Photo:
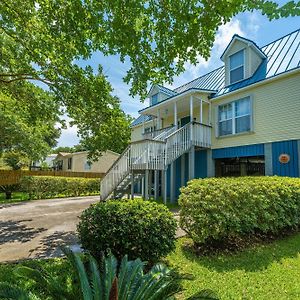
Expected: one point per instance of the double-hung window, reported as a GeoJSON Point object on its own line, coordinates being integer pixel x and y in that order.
{"type": "Point", "coordinates": [235, 117]}
{"type": "Point", "coordinates": [237, 65]}
{"type": "Point", "coordinates": [154, 99]}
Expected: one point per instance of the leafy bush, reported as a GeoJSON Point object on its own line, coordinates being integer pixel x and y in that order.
{"type": "Point", "coordinates": [219, 209]}
{"type": "Point", "coordinates": [42, 187]}
{"type": "Point", "coordinates": [138, 228]}
{"type": "Point", "coordinates": [106, 282]}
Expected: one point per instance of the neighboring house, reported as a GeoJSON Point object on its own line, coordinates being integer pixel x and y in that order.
{"type": "Point", "coordinates": [78, 162]}
{"type": "Point", "coordinates": [49, 160]}
{"type": "Point", "coordinates": [240, 119]}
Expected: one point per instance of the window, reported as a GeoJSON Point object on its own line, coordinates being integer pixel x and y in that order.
{"type": "Point", "coordinates": [236, 66]}
{"type": "Point", "coordinates": [87, 166]}
{"type": "Point", "coordinates": [235, 117]}
{"type": "Point", "coordinates": [154, 99]}
{"type": "Point", "coordinates": [70, 163]}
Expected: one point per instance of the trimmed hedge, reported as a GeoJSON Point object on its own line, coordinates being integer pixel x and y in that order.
{"type": "Point", "coordinates": [137, 228]}
{"type": "Point", "coordinates": [43, 187]}
{"type": "Point", "coordinates": [219, 209]}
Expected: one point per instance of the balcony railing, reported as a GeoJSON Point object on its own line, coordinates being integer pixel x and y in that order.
{"type": "Point", "coordinates": [159, 134]}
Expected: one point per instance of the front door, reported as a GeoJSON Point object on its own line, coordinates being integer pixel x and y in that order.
{"type": "Point", "coordinates": [184, 121]}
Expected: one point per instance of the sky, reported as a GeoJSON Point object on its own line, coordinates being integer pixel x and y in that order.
{"type": "Point", "coordinates": [253, 26]}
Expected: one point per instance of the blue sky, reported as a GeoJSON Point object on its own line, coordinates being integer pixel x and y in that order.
{"type": "Point", "coordinates": [253, 26]}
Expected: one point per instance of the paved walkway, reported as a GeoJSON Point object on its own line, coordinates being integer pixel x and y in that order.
{"type": "Point", "coordinates": [36, 229]}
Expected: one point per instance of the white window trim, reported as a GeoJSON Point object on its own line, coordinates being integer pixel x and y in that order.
{"type": "Point", "coordinates": [243, 65]}
{"type": "Point", "coordinates": [233, 118]}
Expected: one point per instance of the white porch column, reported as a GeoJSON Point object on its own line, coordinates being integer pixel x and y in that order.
{"type": "Point", "coordinates": [147, 184]}
{"type": "Point", "coordinates": [192, 118]}
{"type": "Point", "coordinates": [143, 187]}
{"type": "Point", "coordinates": [132, 186]}
{"type": "Point", "coordinates": [172, 183]}
{"type": "Point", "coordinates": [143, 127]}
{"type": "Point", "coordinates": [192, 163]}
{"type": "Point", "coordinates": [175, 115]}
{"type": "Point", "coordinates": [156, 184]}
{"type": "Point", "coordinates": [158, 120]}
{"type": "Point", "coordinates": [209, 113]}
{"type": "Point", "coordinates": [201, 111]}
{"type": "Point", "coordinates": [164, 185]}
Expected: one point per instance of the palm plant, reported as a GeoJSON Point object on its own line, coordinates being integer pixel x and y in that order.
{"type": "Point", "coordinates": [128, 281]}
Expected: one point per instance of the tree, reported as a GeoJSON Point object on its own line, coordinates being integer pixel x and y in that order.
{"type": "Point", "coordinates": [28, 116]}
{"type": "Point", "coordinates": [43, 39]}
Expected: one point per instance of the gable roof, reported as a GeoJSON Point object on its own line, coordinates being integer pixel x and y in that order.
{"type": "Point", "coordinates": [281, 56]}
{"type": "Point", "coordinates": [247, 41]}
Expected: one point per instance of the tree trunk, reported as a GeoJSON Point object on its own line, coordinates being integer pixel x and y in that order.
{"type": "Point", "coordinates": [8, 195]}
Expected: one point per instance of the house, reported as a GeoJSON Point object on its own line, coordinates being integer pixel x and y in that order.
{"type": "Point", "coordinates": [78, 162]}
{"type": "Point", "coordinates": [240, 119]}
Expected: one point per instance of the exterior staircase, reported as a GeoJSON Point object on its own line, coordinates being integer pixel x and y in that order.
{"type": "Point", "coordinates": [152, 154]}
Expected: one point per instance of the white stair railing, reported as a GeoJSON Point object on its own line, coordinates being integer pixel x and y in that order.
{"type": "Point", "coordinates": [155, 154]}
{"type": "Point", "coordinates": [116, 174]}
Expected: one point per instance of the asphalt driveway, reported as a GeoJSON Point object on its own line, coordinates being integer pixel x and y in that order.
{"type": "Point", "coordinates": [35, 229]}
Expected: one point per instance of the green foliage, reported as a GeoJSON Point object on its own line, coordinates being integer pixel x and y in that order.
{"type": "Point", "coordinates": [219, 209]}
{"type": "Point", "coordinates": [42, 187]}
{"type": "Point", "coordinates": [43, 40]}
{"type": "Point", "coordinates": [138, 228]}
{"type": "Point", "coordinates": [109, 282]}
{"type": "Point", "coordinates": [28, 116]}
{"type": "Point", "coordinates": [15, 160]}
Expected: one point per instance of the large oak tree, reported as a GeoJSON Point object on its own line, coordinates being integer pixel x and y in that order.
{"type": "Point", "coordinates": [42, 40]}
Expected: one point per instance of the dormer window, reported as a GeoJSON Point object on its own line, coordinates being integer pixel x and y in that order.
{"type": "Point", "coordinates": [237, 66]}
{"type": "Point", "coordinates": [154, 99]}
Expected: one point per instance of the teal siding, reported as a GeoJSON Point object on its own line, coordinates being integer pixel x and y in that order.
{"type": "Point", "coordinates": [201, 164]}
{"type": "Point", "coordinates": [240, 151]}
{"type": "Point", "coordinates": [290, 169]}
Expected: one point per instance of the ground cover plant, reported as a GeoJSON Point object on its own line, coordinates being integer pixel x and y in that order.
{"type": "Point", "coordinates": [137, 228]}
{"type": "Point", "coordinates": [217, 210]}
{"type": "Point", "coordinates": [43, 187]}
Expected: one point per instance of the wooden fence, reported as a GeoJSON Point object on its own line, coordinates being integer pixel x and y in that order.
{"type": "Point", "coordinates": [8, 177]}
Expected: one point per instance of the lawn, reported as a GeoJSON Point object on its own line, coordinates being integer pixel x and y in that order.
{"type": "Point", "coordinates": [15, 197]}
{"type": "Point", "coordinates": [269, 271]}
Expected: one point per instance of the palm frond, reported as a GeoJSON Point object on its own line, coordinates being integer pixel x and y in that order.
{"type": "Point", "coordinates": [8, 291]}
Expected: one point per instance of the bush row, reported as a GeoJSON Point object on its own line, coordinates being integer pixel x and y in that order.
{"type": "Point", "coordinates": [41, 187]}
{"type": "Point", "coordinates": [218, 209]}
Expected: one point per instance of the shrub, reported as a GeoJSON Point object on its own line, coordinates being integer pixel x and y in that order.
{"type": "Point", "coordinates": [220, 209]}
{"type": "Point", "coordinates": [137, 228]}
{"type": "Point", "coordinates": [41, 187]}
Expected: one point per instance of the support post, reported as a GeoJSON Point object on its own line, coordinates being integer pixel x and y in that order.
{"type": "Point", "coordinates": [158, 120]}
{"type": "Point", "coordinates": [143, 187]}
{"type": "Point", "coordinates": [210, 164]}
{"type": "Point", "coordinates": [143, 127]}
{"type": "Point", "coordinates": [209, 113]}
{"type": "Point", "coordinates": [192, 119]}
{"type": "Point", "coordinates": [175, 115]}
{"type": "Point", "coordinates": [268, 159]}
{"type": "Point", "coordinates": [201, 111]}
{"type": "Point", "coordinates": [132, 185]}
{"type": "Point", "coordinates": [164, 185]}
{"type": "Point", "coordinates": [156, 184]}
{"type": "Point", "coordinates": [192, 163]}
{"type": "Point", "coordinates": [182, 162]}
{"type": "Point", "coordinates": [172, 185]}
{"type": "Point", "coordinates": [147, 184]}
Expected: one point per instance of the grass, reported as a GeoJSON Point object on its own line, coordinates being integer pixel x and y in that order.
{"type": "Point", "coordinates": [19, 197]}
{"type": "Point", "coordinates": [270, 271]}
{"type": "Point", "coordinates": [16, 197]}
